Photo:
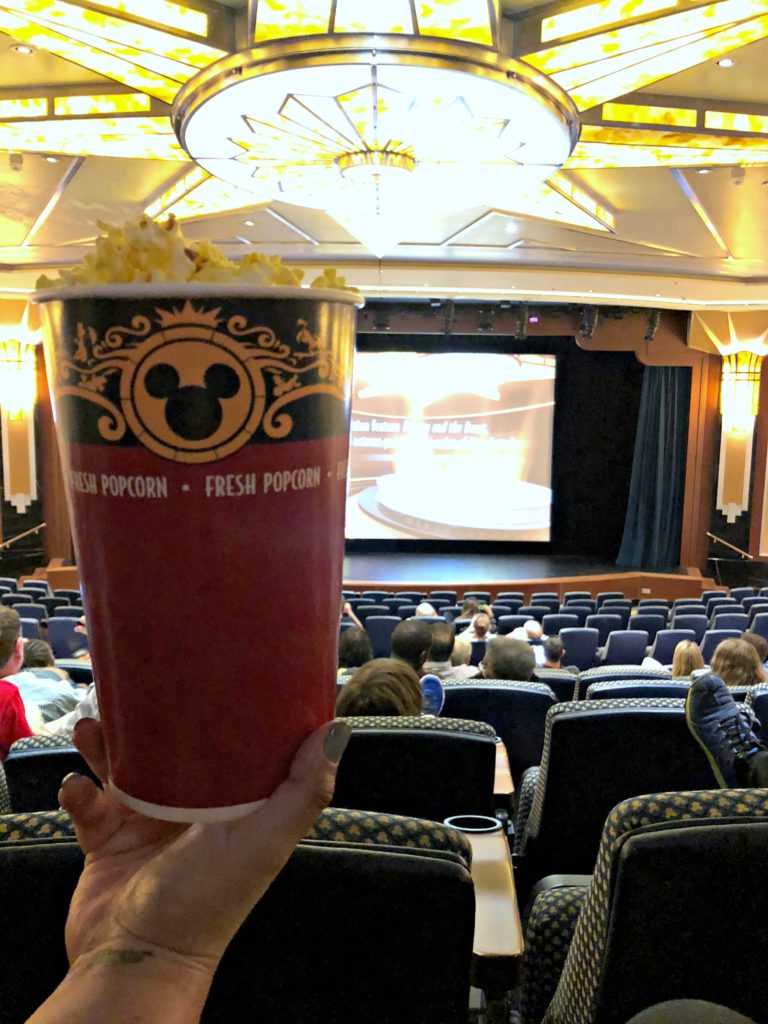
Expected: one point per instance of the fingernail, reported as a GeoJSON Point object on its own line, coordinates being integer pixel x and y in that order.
{"type": "Point", "coordinates": [336, 741]}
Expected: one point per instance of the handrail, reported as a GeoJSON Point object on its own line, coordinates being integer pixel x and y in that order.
{"type": "Point", "coordinates": [20, 536]}
{"type": "Point", "coordinates": [744, 554]}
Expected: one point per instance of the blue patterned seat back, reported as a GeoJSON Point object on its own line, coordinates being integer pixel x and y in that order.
{"type": "Point", "coordinates": [420, 767]}
{"type": "Point", "coordinates": [516, 710]}
{"type": "Point", "coordinates": [597, 753]}
{"type": "Point", "coordinates": [672, 851]}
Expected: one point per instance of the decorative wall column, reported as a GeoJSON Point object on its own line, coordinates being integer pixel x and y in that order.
{"type": "Point", "coordinates": [17, 416]}
{"type": "Point", "coordinates": [741, 338]}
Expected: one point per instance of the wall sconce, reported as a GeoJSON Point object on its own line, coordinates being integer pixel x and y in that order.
{"type": "Point", "coordinates": [739, 403]}
{"type": "Point", "coordinates": [18, 392]}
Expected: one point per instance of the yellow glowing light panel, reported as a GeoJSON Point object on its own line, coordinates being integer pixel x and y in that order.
{"type": "Point", "coordinates": [601, 147]}
{"type": "Point", "coordinates": [89, 57]}
{"type": "Point", "coordinates": [393, 16]}
{"type": "Point", "coordinates": [611, 64]}
{"type": "Point", "coordinates": [211, 196]}
{"type": "Point", "coordinates": [276, 19]}
{"type": "Point", "coordinates": [37, 107]}
{"type": "Point", "coordinates": [176, 192]}
{"type": "Point", "coordinates": [177, 16]}
{"type": "Point", "coordinates": [470, 20]}
{"type": "Point", "coordinates": [740, 387]}
{"type": "Point", "coordinates": [719, 120]}
{"type": "Point", "coordinates": [549, 203]}
{"type": "Point", "coordinates": [473, 21]}
{"type": "Point", "coordinates": [632, 113]}
{"type": "Point", "coordinates": [583, 199]}
{"type": "Point", "coordinates": [66, 17]}
{"type": "Point", "coordinates": [111, 103]}
{"type": "Point", "coordinates": [597, 16]}
{"type": "Point", "coordinates": [149, 138]}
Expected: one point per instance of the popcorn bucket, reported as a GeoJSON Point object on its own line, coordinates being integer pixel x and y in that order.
{"type": "Point", "coordinates": [203, 432]}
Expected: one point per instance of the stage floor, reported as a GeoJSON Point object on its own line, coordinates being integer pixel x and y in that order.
{"type": "Point", "coordinates": [397, 567]}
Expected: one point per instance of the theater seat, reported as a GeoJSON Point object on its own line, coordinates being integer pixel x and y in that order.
{"type": "Point", "coordinates": [516, 710]}
{"type": "Point", "coordinates": [424, 767]}
{"type": "Point", "coordinates": [663, 647]}
{"type": "Point", "coordinates": [713, 637]}
{"type": "Point", "coordinates": [379, 629]}
{"type": "Point", "coordinates": [579, 646]}
{"type": "Point", "coordinates": [673, 850]}
{"type": "Point", "coordinates": [597, 753]}
{"type": "Point", "coordinates": [348, 931]}
{"type": "Point", "coordinates": [629, 689]}
{"type": "Point", "coordinates": [625, 647]}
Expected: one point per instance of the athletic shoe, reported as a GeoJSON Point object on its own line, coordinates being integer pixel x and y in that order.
{"type": "Point", "coordinates": [432, 695]}
{"type": "Point", "coordinates": [721, 727]}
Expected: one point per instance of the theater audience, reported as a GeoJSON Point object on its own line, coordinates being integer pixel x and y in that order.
{"type": "Point", "coordinates": [737, 663]}
{"type": "Point", "coordinates": [13, 720]}
{"type": "Point", "coordinates": [425, 611]}
{"type": "Point", "coordinates": [438, 661]}
{"type": "Point", "coordinates": [507, 658]}
{"type": "Point", "coordinates": [45, 690]}
{"type": "Point", "coordinates": [354, 649]}
{"type": "Point", "coordinates": [686, 658]}
{"type": "Point", "coordinates": [383, 686]}
{"type": "Point", "coordinates": [411, 640]}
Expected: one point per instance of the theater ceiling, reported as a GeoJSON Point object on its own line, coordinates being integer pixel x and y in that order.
{"type": "Point", "coordinates": [630, 164]}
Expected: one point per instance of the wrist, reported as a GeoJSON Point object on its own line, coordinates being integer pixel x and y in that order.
{"type": "Point", "coordinates": [130, 980]}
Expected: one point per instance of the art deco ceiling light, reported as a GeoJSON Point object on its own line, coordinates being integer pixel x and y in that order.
{"type": "Point", "coordinates": [375, 111]}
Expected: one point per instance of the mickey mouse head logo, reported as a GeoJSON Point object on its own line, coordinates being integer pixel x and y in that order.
{"type": "Point", "coordinates": [191, 411]}
{"type": "Point", "coordinates": [190, 398]}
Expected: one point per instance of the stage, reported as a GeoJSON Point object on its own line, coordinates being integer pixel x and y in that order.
{"type": "Point", "coordinates": [394, 571]}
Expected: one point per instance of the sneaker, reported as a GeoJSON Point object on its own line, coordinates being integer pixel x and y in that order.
{"type": "Point", "coordinates": [432, 695]}
{"type": "Point", "coordinates": [721, 727]}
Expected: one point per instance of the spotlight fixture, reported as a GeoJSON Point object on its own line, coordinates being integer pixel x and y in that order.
{"type": "Point", "coordinates": [533, 319]}
{"type": "Point", "coordinates": [249, 223]}
{"type": "Point", "coordinates": [704, 170]}
{"type": "Point", "coordinates": [16, 161]}
{"type": "Point", "coordinates": [23, 49]}
{"type": "Point", "coordinates": [521, 322]}
{"type": "Point", "coordinates": [652, 324]}
{"type": "Point", "coordinates": [726, 62]}
{"type": "Point", "coordinates": [51, 159]}
{"type": "Point", "coordinates": [381, 320]}
{"type": "Point", "coordinates": [588, 322]}
{"type": "Point", "coordinates": [484, 319]}
{"type": "Point", "coordinates": [435, 303]}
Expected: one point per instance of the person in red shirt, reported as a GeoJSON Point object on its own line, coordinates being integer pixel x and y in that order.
{"type": "Point", "coordinates": [13, 721]}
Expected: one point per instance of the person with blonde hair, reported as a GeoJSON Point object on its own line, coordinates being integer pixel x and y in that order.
{"type": "Point", "coordinates": [737, 663]}
{"type": "Point", "coordinates": [686, 658]}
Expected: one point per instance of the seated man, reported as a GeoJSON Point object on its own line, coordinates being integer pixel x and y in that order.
{"type": "Point", "coordinates": [553, 654]}
{"type": "Point", "coordinates": [13, 721]}
{"type": "Point", "coordinates": [411, 640]}
{"type": "Point", "coordinates": [46, 691]}
{"type": "Point", "coordinates": [507, 658]}
{"type": "Point", "coordinates": [479, 628]}
{"type": "Point", "coordinates": [438, 661]}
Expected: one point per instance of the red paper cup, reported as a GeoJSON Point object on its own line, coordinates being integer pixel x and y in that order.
{"type": "Point", "coordinates": [203, 433]}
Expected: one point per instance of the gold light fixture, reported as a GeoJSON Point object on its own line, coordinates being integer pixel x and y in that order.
{"type": "Point", "coordinates": [17, 417]}
{"type": "Point", "coordinates": [378, 113]}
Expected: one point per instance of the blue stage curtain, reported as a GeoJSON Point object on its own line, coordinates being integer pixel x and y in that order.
{"type": "Point", "coordinates": [655, 508]}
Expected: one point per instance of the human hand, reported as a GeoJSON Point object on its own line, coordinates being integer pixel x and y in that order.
{"type": "Point", "coordinates": [347, 608]}
{"type": "Point", "coordinates": [156, 888]}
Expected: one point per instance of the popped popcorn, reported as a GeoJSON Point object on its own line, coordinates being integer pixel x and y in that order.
{"type": "Point", "coordinates": [153, 252]}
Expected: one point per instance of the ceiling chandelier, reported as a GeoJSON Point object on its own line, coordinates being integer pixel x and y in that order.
{"type": "Point", "coordinates": [420, 111]}
{"type": "Point", "coordinates": [379, 112]}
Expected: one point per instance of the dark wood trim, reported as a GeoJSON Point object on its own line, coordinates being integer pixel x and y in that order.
{"type": "Point", "coordinates": [757, 503]}
{"type": "Point", "coordinates": [701, 461]}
